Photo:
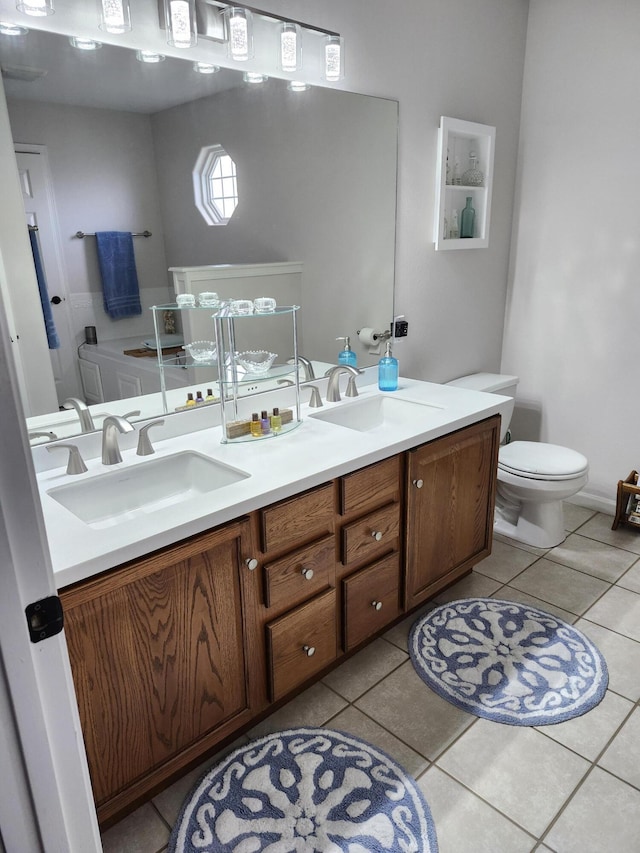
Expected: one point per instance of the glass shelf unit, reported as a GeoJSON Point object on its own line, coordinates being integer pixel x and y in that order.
{"type": "Point", "coordinates": [458, 142]}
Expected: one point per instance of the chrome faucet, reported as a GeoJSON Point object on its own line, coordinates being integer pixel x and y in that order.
{"type": "Point", "coordinates": [111, 426]}
{"type": "Point", "coordinates": [86, 421]}
{"type": "Point", "coordinates": [333, 386]}
{"type": "Point", "coordinates": [307, 367]}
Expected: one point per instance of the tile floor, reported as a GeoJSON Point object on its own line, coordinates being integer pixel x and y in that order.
{"type": "Point", "coordinates": [573, 787]}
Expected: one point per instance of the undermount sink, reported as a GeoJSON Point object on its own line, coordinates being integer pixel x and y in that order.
{"type": "Point", "coordinates": [373, 412]}
{"type": "Point", "coordinates": [128, 493]}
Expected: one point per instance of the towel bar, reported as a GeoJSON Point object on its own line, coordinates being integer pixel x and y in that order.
{"type": "Point", "coordinates": [81, 234]}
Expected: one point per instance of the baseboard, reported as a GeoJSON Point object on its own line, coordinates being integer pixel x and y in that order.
{"type": "Point", "coordinates": [595, 502]}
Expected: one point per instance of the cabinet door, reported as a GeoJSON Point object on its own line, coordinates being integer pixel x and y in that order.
{"type": "Point", "coordinates": [158, 658]}
{"type": "Point", "coordinates": [450, 502]}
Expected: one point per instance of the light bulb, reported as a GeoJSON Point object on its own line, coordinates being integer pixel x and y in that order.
{"type": "Point", "coordinates": [289, 47]}
{"type": "Point", "coordinates": [205, 68]}
{"type": "Point", "coordinates": [36, 8]}
{"type": "Point", "coordinates": [181, 23]}
{"type": "Point", "coordinates": [298, 86]}
{"type": "Point", "coordinates": [115, 16]}
{"type": "Point", "coordinates": [7, 29]}
{"type": "Point", "coordinates": [84, 44]}
{"type": "Point", "coordinates": [333, 59]}
{"type": "Point", "coordinates": [239, 33]}
{"type": "Point", "coordinates": [149, 56]}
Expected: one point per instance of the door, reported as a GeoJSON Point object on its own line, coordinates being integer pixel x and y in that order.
{"type": "Point", "coordinates": [37, 194]}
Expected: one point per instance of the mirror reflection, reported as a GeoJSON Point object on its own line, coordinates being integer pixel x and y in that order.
{"type": "Point", "coordinates": [107, 143]}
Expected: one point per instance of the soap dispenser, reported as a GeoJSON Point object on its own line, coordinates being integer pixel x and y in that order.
{"type": "Point", "coordinates": [388, 371]}
{"type": "Point", "coordinates": [347, 355]}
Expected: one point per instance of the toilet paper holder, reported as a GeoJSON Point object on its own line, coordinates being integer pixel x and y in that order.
{"type": "Point", "coordinates": [373, 338]}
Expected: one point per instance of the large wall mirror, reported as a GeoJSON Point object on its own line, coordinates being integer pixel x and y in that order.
{"type": "Point", "coordinates": [120, 139]}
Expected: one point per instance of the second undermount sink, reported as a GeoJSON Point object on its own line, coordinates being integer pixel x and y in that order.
{"type": "Point", "coordinates": [130, 492]}
{"type": "Point", "coordinates": [372, 412]}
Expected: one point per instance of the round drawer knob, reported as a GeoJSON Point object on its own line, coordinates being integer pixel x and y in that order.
{"type": "Point", "coordinates": [252, 563]}
{"type": "Point", "coordinates": [377, 535]}
{"type": "Point", "coordinates": [377, 605]}
{"type": "Point", "coordinates": [309, 651]}
{"type": "Point", "coordinates": [307, 574]}
{"type": "Point", "coordinates": [418, 483]}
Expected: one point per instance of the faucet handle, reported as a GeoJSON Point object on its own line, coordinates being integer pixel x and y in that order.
{"type": "Point", "coordinates": [145, 448]}
{"type": "Point", "coordinates": [75, 464]}
{"type": "Point", "coordinates": [316, 400]}
{"type": "Point", "coordinates": [132, 414]}
{"type": "Point", "coordinates": [352, 388]}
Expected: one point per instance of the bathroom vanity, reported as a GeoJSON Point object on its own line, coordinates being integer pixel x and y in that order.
{"type": "Point", "coordinates": [337, 533]}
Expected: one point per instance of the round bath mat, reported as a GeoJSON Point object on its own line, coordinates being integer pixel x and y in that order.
{"type": "Point", "coordinates": [508, 662]}
{"type": "Point", "coordinates": [305, 790]}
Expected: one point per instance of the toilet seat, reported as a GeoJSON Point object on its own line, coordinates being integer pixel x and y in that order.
{"type": "Point", "coordinates": [538, 461]}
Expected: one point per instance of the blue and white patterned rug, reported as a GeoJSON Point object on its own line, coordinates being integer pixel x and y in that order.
{"type": "Point", "coordinates": [305, 790]}
{"type": "Point", "coordinates": [508, 662]}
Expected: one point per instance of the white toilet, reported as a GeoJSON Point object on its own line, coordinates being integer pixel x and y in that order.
{"type": "Point", "coordinates": [533, 478]}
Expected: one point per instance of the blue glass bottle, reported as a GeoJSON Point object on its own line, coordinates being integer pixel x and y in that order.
{"type": "Point", "coordinates": [347, 355]}
{"type": "Point", "coordinates": [388, 371]}
{"type": "Point", "coordinates": [468, 219]}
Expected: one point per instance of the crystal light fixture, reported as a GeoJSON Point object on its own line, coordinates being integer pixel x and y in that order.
{"type": "Point", "coordinates": [239, 33]}
{"type": "Point", "coordinates": [36, 8]}
{"type": "Point", "coordinates": [7, 29]}
{"type": "Point", "coordinates": [205, 68]}
{"type": "Point", "coordinates": [298, 86]}
{"type": "Point", "coordinates": [84, 44]}
{"type": "Point", "coordinates": [180, 19]}
{"type": "Point", "coordinates": [254, 77]}
{"type": "Point", "coordinates": [290, 47]}
{"type": "Point", "coordinates": [149, 56]}
{"type": "Point", "coordinates": [333, 57]}
{"type": "Point", "coordinates": [115, 16]}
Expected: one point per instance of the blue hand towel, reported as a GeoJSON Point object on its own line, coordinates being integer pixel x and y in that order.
{"type": "Point", "coordinates": [118, 270]}
{"type": "Point", "coordinates": [50, 326]}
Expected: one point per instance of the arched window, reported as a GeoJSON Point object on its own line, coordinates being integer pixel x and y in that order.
{"type": "Point", "coordinates": [215, 185]}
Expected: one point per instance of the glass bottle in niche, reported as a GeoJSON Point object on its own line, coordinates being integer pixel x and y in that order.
{"type": "Point", "coordinates": [468, 219]}
{"type": "Point", "coordinates": [473, 177]}
{"type": "Point", "coordinates": [454, 233]}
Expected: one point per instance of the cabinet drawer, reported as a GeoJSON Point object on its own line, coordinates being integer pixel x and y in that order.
{"type": "Point", "coordinates": [370, 487]}
{"type": "Point", "coordinates": [298, 576]}
{"type": "Point", "coordinates": [371, 600]}
{"type": "Point", "coordinates": [295, 521]}
{"type": "Point", "coordinates": [374, 534]}
{"type": "Point", "coordinates": [301, 643]}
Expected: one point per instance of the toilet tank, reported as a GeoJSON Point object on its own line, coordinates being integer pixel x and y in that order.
{"type": "Point", "coordinates": [492, 383]}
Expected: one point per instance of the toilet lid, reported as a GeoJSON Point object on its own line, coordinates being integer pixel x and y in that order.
{"type": "Point", "coordinates": [541, 461]}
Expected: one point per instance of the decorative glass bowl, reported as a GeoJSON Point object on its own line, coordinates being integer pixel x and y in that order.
{"type": "Point", "coordinates": [201, 350]}
{"type": "Point", "coordinates": [256, 362]}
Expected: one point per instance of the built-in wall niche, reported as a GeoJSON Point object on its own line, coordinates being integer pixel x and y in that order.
{"type": "Point", "coordinates": [464, 171]}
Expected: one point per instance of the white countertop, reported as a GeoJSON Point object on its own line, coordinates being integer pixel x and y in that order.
{"type": "Point", "coordinates": [279, 467]}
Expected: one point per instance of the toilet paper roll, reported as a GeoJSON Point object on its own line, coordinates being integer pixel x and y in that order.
{"type": "Point", "coordinates": [369, 337]}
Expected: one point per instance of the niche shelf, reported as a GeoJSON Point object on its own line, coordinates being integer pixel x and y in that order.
{"type": "Point", "coordinates": [458, 141]}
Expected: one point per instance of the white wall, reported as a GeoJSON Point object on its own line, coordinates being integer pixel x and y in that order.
{"type": "Point", "coordinates": [574, 301]}
{"type": "Point", "coordinates": [104, 179]}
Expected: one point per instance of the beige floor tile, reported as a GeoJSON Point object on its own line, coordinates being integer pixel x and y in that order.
{"type": "Point", "coordinates": [575, 516]}
{"type": "Point", "coordinates": [589, 734]}
{"type": "Point", "coordinates": [473, 585]}
{"type": "Point", "coordinates": [522, 773]}
{"type": "Point", "coordinates": [143, 831]}
{"type": "Point", "coordinates": [631, 579]}
{"type": "Point", "coordinates": [399, 634]}
{"type": "Point", "coordinates": [508, 593]}
{"type": "Point", "coordinates": [618, 609]}
{"type": "Point", "coordinates": [599, 527]}
{"type": "Point", "coordinates": [362, 671]}
{"type": "Point", "coordinates": [602, 817]}
{"type": "Point", "coordinates": [560, 585]}
{"type": "Point", "coordinates": [314, 707]}
{"type": "Point", "coordinates": [356, 723]}
{"type": "Point", "coordinates": [504, 562]}
{"type": "Point", "coordinates": [622, 758]}
{"type": "Point", "coordinates": [169, 802]}
{"type": "Point", "coordinates": [465, 823]}
{"type": "Point", "coordinates": [622, 656]}
{"type": "Point", "coordinates": [404, 705]}
{"type": "Point", "coordinates": [531, 549]}
{"type": "Point", "coordinates": [595, 558]}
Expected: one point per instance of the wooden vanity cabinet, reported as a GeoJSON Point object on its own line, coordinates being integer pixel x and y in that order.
{"type": "Point", "coordinates": [176, 652]}
{"type": "Point", "coordinates": [167, 660]}
{"type": "Point", "coordinates": [450, 502]}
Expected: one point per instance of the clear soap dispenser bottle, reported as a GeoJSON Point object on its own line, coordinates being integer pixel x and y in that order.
{"type": "Point", "coordinates": [388, 371]}
{"type": "Point", "coordinates": [347, 355]}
